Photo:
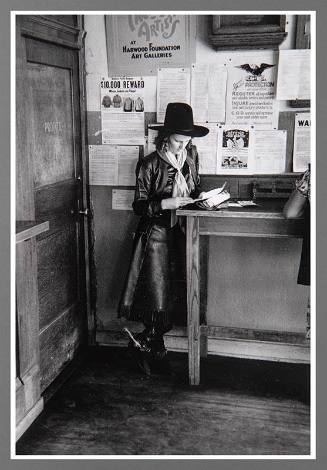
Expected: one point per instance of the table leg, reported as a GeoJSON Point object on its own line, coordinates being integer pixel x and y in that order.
{"type": "Point", "coordinates": [193, 298]}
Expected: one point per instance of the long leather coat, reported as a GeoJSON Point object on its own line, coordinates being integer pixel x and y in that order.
{"type": "Point", "coordinates": [147, 294]}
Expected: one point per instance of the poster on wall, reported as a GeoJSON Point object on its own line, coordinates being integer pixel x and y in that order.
{"type": "Point", "coordinates": [251, 89]}
{"type": "Point", "coordinates": [127, 159]}
{"type": "Point", "coordinates": [103, 168]}
{"type": "Point", "coordinates": [269, 151]}
{"type": "Point", "coordinates": [208, 92]}
{"type": "Point", "coordinates": [301, 152]}
{"type": "Point", "coordinates": [122, 199]}
{"type": "Point", "coordinates": [172, 85]}
{"type": "Point", "coordinates": [294, 74]}
{"type": "Point", "coordinates": [234, 154]}
{"type": "Point", "coordinates": [151, 141]}
{"type": "Point", "coordinates": [207, 149]}
{"type": "Point", "coordinates": [112, 165]}
{"type": "Point", "coordinates": [122, 110]}
{"type": "Point", "coordinates": [144, 43]}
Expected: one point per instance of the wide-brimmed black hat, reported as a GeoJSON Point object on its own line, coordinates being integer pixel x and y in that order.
{"type": "Point", "coordinates": [179, 120]}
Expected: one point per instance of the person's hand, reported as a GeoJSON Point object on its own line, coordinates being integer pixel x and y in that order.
{"type": "Point", "coordinates": [175, 202]}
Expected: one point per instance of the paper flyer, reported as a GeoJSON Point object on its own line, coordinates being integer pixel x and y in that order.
{"type": "Point", "coordinates": [302, 133]}
{"type": "Point", "coordinates": [207, 149]}
{"type": "Point", "coordinates": [234, 153]}
{"type": "Point", "coordinates": [269, 150]}
{"type": "Point", "coordinates": [122, 199]}
{"type": "Point", "coordinates": [208, 92]}
{"type": "Point", "coordinates": [294, 74]}
{"type": "Point", "coordinates": [122, 110]}
{"type": "Point", "coordinates": [112, 165]}
{"type": "Point", "coordinates": [251, 86]}
{"type": "Point", "coordinates": [172, 85]}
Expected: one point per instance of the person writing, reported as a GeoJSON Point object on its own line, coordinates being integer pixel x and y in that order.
{"type": "Point", "coordinates": [155, 288]}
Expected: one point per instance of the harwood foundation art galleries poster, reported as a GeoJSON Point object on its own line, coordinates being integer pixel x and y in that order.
{"type": "Point", "coordinates": [144, 43]}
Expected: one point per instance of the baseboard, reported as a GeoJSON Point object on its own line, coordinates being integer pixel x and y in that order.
{"type": "Point", "coordinates": [175, 340]}
{"type": "Point", "coordinates": [230, 342]}
{"type": "Point", "coordinates": [28, 419]}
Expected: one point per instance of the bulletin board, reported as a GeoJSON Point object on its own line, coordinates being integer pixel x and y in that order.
{"type": "Point", "coordinates": [233, 94]}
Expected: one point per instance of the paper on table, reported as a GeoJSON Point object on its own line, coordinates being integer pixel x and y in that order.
{"type": "Point", "coordinates": [216, 200]}
{"type": "Point", "coordinates": [247, 203]}
{"type": "Point", "coordinates": [210, 194]}
{"type": "Point", "coordinates": [234, 204]}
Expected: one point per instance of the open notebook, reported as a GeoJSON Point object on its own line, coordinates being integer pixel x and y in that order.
{"type": "Point", "coordinates": [214, 197]}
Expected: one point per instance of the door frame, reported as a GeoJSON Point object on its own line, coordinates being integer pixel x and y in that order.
{"type": "Point", "coordinates": [50, 30]}
{"type": "Point", "coordinates": [53, 31]}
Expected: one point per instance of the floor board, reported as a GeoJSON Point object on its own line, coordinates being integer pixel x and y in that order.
{"type": "Point", "coordinates": [242, 407]}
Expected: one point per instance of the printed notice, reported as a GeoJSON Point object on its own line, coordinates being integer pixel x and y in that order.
{"type": "Point", "coordinates": [200, 92]}
{"type": "Point", "coordinates": [217, 93]}
{"type": "Point", "coordinates": [122, 199]}
{"type": "Point", "coordinates": [144, 43]}
{"type": "Point", "coordinates": [122, 110]}
{"type": "Point", "coordinates": [103, 166]}
{"type": "Point", "coordinates": [122, 94]}
{"type": "Point", "coordinates": [234, 154]}
{"type": "Point", "coordinates": [123, 129]}
{"type": "Point", "coordinates": [251, 90]}
{"type": "Point", "coordinates": [207, 150]}
{"type": "Point", "coordinates": [112, 165]}
{"type": "Point", "coordinates": [269, 149]}
{"type": "Point", "coordinates": [127, 160]}
{"type": "Point", "coordinates": [152, 135]}
{"type": "Point", "coordinates": [302, 131]}
{"type": "Point", "coordinates": [172, 85]}
{"type": "Point", "coordinates": [208, 92]}
{"type": "Point", "coordinates": [294, 75]}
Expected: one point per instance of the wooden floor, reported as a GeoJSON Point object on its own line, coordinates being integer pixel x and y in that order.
{"type": "Point", "coordinates": [241, 408]}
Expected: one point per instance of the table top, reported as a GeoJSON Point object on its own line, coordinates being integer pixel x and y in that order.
{"type": "Point", "coordinates": [265, 209]}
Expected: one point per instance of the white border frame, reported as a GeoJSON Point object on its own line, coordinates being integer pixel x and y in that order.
{"type": "Point", "coordinates": [312, 455]}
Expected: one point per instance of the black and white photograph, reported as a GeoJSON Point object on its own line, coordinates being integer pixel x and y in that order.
{"type": "Point", "coordinates": [163, 306]}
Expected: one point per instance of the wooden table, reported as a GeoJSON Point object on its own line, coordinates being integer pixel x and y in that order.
{"type": "Point", "coordinates": [265, 220]}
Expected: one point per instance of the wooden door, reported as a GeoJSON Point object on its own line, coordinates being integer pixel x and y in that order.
{"type": "Point", "coordinates": [55, 148]}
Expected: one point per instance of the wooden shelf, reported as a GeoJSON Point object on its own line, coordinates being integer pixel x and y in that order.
{"type": "Point", "coordinates": [26, 229]}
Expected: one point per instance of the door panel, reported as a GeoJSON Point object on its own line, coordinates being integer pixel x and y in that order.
{"type": "Point", "coordinates": [51, 123]}
{"type": "Point", "coordinates": [54, 142]}
{"type": "Point", "coordinates": [57, 273]}
{"type": "Point", "coordinates": [58, 344]}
